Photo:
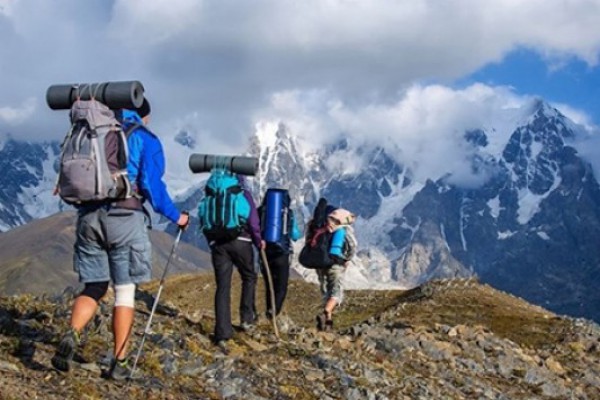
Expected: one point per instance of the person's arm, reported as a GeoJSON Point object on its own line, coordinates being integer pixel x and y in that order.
{"type": "Point", "coordinates": [352, 245]}
{"type": "Point", "coordinates": [152, 167]}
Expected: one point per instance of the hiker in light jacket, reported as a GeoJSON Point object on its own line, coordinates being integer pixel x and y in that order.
{"type": "Point", "coordinates": [113, 244]}
{"type": "Point", "coordinates": [339, 222]}
{"type": "Point", "coordinates": [238, 252]}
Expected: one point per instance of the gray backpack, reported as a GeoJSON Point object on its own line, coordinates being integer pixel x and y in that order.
{"type": "Point", "coordinates": [93, 164]}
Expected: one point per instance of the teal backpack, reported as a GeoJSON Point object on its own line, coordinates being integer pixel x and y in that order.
{"type": "Point", "coordinates": [224, 210]}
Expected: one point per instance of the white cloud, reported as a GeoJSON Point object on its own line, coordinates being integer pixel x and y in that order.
{"type": "Point", "coordinates": [225, 60]}
{"type": "Point", "coordinates": [146, 23]}
{"type": "Point", "coordinates": [423, 129]}
{"type": "Point", "coordinates": [6, 7]}
{"type": "Point", "coordinates": [575, 115]}
{"type": "Point", "coordinates": [16, 115]}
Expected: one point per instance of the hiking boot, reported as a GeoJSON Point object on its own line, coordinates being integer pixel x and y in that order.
{"type": "Point", "coordinates": [284, 323]}
{"type": "Point", "coordinates": [222, 345]}
{"type": "Point", "coordinates": [66, 350]}
{"type": "Point", "coordinates": [120, 370]}
{"type": "Point", "coordinates": [247, 327]}
{"type": "Point", "coordinates": [321, 320]}
{"type": "Point", "coordinates": [328, 325]}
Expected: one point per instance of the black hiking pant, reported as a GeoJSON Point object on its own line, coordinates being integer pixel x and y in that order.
{"type": "Point", "coordinates": [224, 256]}
{"type": "Point", "coordinates": [279, 266]}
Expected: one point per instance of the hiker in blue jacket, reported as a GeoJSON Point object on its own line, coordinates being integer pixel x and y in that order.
{"type": "Point", "coordinates": [113, 243]}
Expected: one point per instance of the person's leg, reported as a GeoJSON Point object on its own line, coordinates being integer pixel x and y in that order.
{"type": "Point", "coordinates": [329, 307]}
{"type": "Point", "coordinates": [85, 305]}
{"type": "Point", "coordinates": [321, 318]}
{"type": "Point", "coordinates": [242, 254]}
{"type": "Point", "coordinates": [335, 292]}
{"type": "Point", "coordinates": [281, 272]}
{"type": "Point", "coordinates": [331, 302]}
{"type": "Point", "coordinates": [90, 261]}
{"type": "Point", "coordinates": [267, 292]}
{"type": "Point", "coordinates": [123, 315]}
{"type": "Point", "coordinates": [129, 256]}
{"type": "Point", "coordinates": [223, 268]}
{"type": "Point", "coordinates": [321, 275]}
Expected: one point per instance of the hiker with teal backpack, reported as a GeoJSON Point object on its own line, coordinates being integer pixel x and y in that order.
{"type": "Point", "coordinates": [279, 229]}
{"type": "Point", "coordinates": [329, 247]}
{"type": "Point", "coordinates": [229, 220]}
{"type": "Point", "coordinates": [112, 238]}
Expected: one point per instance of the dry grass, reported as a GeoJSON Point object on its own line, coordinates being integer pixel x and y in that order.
{"type": "Point", "coordinates": [481, 305]}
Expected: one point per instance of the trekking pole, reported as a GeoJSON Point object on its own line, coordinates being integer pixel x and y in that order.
{"type": "Point", "coordinates": [271, 291]}
{"type": "Point", "coordinates": [160, 288]}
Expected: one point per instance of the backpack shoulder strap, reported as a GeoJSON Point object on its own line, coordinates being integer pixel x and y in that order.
{"type": "Point", "coordinates": [320, 231]}
{"type": "Point", "coordinates": [130, 130]}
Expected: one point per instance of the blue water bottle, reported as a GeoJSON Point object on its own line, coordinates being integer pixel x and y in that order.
{"type": "Point", "coordinates": [337, 242]}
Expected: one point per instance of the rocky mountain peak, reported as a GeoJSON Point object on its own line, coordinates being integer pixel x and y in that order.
{"type": "Point", "coordinates": [27, 182]}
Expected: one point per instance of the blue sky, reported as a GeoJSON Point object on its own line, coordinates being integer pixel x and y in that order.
{"type": "Point", "coordinates": [572, 81]}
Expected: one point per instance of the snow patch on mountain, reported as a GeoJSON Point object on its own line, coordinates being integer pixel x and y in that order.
{"type": "Point", "coordinates": [494, 206]}
{"type": "Point", "coordinates": [529, 202]}
{"type": "Point", "coordinates": [40, 201]}
{"type": "Point", "coordinates": [374, 232]}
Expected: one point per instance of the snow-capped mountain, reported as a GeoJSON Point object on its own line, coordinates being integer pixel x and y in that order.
{"type": "Point", "coordinates": [27, 181]}
{"type": "Point", "coordinates": [527, 220]}
{"type": "Point", "coordinates": [531, 226]}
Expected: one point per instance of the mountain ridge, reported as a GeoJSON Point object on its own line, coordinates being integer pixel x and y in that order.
{"type": "Point", "coordinates": [38, 257]}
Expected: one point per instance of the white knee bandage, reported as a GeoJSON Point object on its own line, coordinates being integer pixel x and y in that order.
{"type": "Point", "coordinates": [125, 295]}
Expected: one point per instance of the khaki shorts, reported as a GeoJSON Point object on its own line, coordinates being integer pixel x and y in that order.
{"type": "Point", "coordinates": [330, 280]}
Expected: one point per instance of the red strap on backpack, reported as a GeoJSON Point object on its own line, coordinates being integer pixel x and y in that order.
{"type": "Point", "coordinates": [318, 232]}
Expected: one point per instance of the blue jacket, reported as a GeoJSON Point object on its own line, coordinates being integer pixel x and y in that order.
{"type": "Point", "coordinates": [146, 166]}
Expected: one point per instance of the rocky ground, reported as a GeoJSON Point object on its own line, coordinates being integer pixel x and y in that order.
{"type": "Point", "coordinates": [453, 339]}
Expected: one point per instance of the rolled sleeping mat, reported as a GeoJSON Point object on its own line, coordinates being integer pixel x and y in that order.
{"type": "Point", "coordinates": [274, 215]}
{"type": "Point", "coordinates": [115, 95]}
{"type": "Point", "coordinates": [337, 242]}
{"type": "Point", "coordinates": [236, 164]}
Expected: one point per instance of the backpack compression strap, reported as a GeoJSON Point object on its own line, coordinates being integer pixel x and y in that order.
{"type": "Point", "coordinates": [318, 232]}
